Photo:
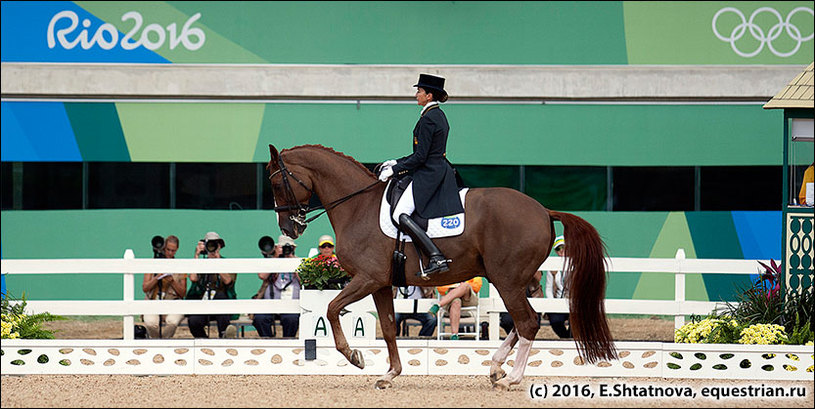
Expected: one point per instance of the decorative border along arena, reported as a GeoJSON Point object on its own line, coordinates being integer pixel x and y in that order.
{"type": "Point", "coordinates": [419, 357]}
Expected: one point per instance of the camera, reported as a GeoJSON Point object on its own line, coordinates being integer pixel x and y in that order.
{"type": "Point", "coordinates": [288, 250]}
{"type": "Point", "coordinates": [158, 246]}
{"type": "Point", "coordinates": [210, 246]}
{"type": "Point", "coordinates": [266, 246]}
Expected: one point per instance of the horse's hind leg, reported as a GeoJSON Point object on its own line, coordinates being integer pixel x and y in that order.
{"type": "Point", "coordinates": [514, 378]}
{"type": "Point", "coordinates": [526, 327]}
{"type": "Point", "coordinates": [501, 355]}
{"type": "Point", "coordinates": [355, 291]}
{"type": "Point", "coordinates": [384, 307]}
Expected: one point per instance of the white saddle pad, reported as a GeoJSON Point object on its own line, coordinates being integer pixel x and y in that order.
{"type": "Point", "coordinates": [446, 226]}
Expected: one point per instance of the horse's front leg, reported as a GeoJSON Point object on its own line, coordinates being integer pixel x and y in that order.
{"type": "Point", "coordinates": [384, 307]}
{"type": "Point", "coordinates": [355, 291]}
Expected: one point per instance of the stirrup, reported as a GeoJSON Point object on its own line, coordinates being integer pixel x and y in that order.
{"type": "Point", "coordinates": [438, 265]}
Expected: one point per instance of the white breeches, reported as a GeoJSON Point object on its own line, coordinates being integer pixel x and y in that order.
{"type": "Point", "coordinates": [405, 204]}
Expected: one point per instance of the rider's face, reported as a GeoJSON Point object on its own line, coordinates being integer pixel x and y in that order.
{"type": "Point", "coordinates": [422, 97]}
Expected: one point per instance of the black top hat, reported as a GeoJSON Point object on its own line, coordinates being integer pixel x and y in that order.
{"type": "Point", "coordinates": [432, 83]}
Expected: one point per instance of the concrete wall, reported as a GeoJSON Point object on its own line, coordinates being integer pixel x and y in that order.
{"type": "Point", "coordinates": [474, 82]}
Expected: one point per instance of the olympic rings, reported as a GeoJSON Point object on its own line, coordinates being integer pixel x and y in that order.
{"type": "Point", "coordinates": [773, 33]}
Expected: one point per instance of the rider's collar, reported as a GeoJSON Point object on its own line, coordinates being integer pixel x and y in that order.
{"type": "Point", "coordinates": [428, 106]}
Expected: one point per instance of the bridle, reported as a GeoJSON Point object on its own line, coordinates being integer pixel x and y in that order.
{"type": "Point", "coordinates": [303, 209]}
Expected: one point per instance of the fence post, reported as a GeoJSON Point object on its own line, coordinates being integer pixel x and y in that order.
{"type": "Point", "coordinates": [679, 288]}
{"type": "Point", "coordinates": [127, 285]}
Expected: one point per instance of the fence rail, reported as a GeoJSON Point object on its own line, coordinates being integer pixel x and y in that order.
{"type": "Point", "coordinates": [129, 308]}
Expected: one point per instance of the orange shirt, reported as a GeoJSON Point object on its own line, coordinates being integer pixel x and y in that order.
{"type": "Point", "coordinates": [475, 283]}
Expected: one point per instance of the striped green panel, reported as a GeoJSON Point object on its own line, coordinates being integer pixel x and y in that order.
{"type": "Point", "coordinates": [98, 131]}
{"type": "Point", "coordinates": [682, 32]}
{"type": "Point", "coordinates": [714, 236]}
{"type": "Point", "coordinates": [617, 230]}
{"type": "Point", "coordinates": [191, 132]}
{"type": "Point", "coordinates": [569, 135]}
{"type": "Point", "coordinates": [659, 286]}
{"type": "Point", "coordinates": [353, 32]}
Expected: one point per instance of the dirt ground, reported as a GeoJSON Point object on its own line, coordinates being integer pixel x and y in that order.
{"type": "Point", "coordinates": [623, 329]}
{"type": "Point", "coordinates": [357, 391]}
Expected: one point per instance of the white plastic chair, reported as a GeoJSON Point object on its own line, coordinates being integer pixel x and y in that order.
{"type": "Point", "coordinates": [468, 324]}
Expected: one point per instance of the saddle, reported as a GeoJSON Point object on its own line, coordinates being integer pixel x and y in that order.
{"type": "Point", "coordinates": [447, 226]}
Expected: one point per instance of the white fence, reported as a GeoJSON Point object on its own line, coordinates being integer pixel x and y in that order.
{"type": "Point", "coordinates": [129, 308]}
{"type": "Point", "coordinates": [420, 357]}
{"type": "Point", "coordinates": [252, 356]}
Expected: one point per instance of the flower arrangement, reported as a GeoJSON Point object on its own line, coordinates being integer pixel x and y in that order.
{"type": "Point", "coordinates": [322, 273]}
{"type": "Point", "coordinates": [763, 334]}
{"type": "Point", "coordinates": [16, 324]}
{"type": "Point", "coordinates": [710, 330]}
{"type": "Point", "coordinates": [763, 315]}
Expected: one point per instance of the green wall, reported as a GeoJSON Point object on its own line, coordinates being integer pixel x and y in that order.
{"type": "Point", "coordinates": [501, 134]}
{"type": "Point", "coordinates": [107, 233]}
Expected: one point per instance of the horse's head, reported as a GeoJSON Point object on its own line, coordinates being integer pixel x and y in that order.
{"type": "Point", "coordinates": [292, 188]}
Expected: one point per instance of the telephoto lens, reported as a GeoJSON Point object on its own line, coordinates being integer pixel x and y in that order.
{"type": "Point", "coordinates": [211, 245]}
{"type": "Point", "coordinates": [266, 246]}
{"type": "Point", "coordinates": [158, 246]}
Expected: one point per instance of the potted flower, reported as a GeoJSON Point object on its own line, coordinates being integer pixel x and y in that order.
{"type": "Point", "coordinates": [322, 273]}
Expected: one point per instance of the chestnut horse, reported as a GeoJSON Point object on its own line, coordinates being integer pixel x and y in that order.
{"type": "Point", "coordinates": [507, 237]}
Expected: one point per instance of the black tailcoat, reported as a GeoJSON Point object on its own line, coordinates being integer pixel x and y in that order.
{"type": "Point", "coordinates": [435, 191]}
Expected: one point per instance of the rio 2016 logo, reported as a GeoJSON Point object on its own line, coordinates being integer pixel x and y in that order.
{"type": "Point", "coordinates": [450, 222]}
{"type": "Point", "coordinates": [107, 36]}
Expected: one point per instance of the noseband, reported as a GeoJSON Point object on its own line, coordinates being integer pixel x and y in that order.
{"type": "Point", "coordinates": [304, 209]}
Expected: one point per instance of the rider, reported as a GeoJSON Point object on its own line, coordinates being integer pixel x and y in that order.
{"type": "Point", "coordinates": [433, 191]}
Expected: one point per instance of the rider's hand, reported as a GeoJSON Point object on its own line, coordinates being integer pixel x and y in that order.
{"type": "Point", "coordinates": [388, 163]}
{"type": "Point", "coordinates": [385, 174]}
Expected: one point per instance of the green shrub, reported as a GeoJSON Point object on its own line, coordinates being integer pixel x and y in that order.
{"type": "Point", "coordinates": [762, 315]}
{"type": "Point", "coordinates": [17, 324]}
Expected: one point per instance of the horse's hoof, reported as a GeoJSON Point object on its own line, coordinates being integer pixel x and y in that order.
{"type": "Point", "coordinates": [497, 375]}
{"type": "Point", "coordinates": [357, 360]}
{"type": "Point", "coordinates": [383, 384]}
{"type": "Point", "coordinates": [501, 385]}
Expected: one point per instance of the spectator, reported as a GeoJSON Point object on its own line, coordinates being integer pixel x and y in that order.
{"type": "Point", "coordinates": [326, 245]}
{"type": "Point", "coordinates": [279, 286]}
{"type": "Point", "coordinates": [325, 250]}
{"type": "Point", "coordinates": [164, 287]}
{"type": "Point", "coordinates": [455, 296]}
{"type": "Point", "coordinates": [427, 320]}
{"type": "Point", "coordinates": [805, 195]}
{"type": "Point", "coordinates": [556, 288]}
{"type": "Point", "coordinates": [220, 286]}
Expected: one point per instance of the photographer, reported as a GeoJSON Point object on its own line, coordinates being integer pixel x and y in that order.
{"type": "Point", "coordinates": [219, 286]}
{"type": "Point", "coordinates": [278, 286]}
{"type": "Point", "coordinates": [164, 287]}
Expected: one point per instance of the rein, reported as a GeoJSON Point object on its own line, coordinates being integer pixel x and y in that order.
{"type": "Point", "coordinates": [304, 209]}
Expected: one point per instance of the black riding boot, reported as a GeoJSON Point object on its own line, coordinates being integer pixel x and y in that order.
{"type": "Point", "coordinates": [437, 264]}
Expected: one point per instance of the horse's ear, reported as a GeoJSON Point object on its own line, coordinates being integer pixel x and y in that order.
{"type": "Point", "coordinates": [273, 152]}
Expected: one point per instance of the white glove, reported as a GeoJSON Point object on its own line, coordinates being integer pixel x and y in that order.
{"type": "Point", "coordinates": [388, 163]}
{"type": "Point", "coordinates": [385, 173]}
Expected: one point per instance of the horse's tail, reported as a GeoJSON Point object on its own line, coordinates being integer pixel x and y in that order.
{"type": "Point", "coordinates": [586, 283]}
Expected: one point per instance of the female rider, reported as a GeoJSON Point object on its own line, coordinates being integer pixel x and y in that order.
{"type": "Point", "coordinates": [433, 191]}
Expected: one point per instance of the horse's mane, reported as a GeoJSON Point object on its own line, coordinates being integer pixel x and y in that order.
{"type": "Point", "coordinates": [332, 151]}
